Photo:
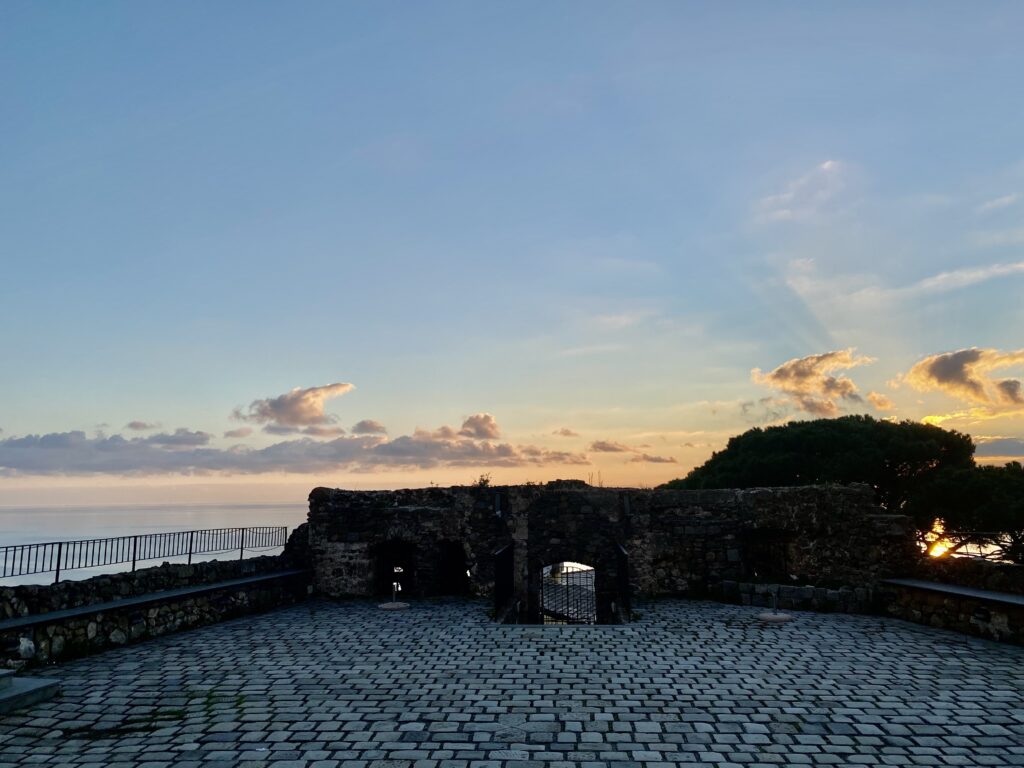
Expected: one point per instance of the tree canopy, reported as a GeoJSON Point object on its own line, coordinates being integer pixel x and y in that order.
{"type": "Point", "coordinates": [893, 457]}
{"type": "Point", "coordinates": [916, 469]}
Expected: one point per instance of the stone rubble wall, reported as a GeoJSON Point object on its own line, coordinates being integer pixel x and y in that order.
{"type": "Point", "coordinates": [789, 597]}
{"type": "Point", "coordinates": [86, 634]}
{"type": "Point", "coordinates": [972, 572]}
{"type": "Point", "coordinates": [687, 543]}
{"type": "Point", "coordinates": [967, 615]}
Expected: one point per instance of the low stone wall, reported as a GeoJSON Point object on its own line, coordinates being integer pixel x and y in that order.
{"type": "Point", "coordinates": [796, 598]}
{"type": "Point", "coordinates": [960, 613]}
{"type": "Point", "coordinates": [972, 572]}
{"type": "Point", "coordinates": [88, 633]}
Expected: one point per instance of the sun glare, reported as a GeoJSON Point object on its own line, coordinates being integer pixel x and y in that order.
{"type": "Point", "coordinates": [938, 543]}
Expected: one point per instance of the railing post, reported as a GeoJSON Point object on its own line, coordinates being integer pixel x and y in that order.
{"type": "Point", "coordinates": [135, 548]}
{"type": "Point", "coordinates": [241, 547]}
{"type": "Point", "coordinates": [60, 549]}
{"type": "Point", "coordinates": [190, 535]}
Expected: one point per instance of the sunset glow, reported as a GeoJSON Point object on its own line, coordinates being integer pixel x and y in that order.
{"type": "Point", "coordinates": [341, 250]}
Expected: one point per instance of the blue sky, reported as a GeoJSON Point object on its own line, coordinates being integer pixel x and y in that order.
{"type": "Point", "coordinates": [589, 217]}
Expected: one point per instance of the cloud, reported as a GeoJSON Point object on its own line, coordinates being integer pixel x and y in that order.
{"type": "Point", "coordinates": [140, 426]}
{"type": "Point", "coordinates": [999, 446]}
{"type": "Point", "coordinates": [277, 429]}
{"type": "Point", "coordinates": [646, 458]}
{"type": "Point", "coordinates": [185, 452]}
{"type": "Point", "coordinates": [482, 426]}
{"type": "Point", "coordinates": [565, 432]}
{"type": "Point", "coordinates": [880, 402]}
{"type": "Point", "coordinates": [809, 384]}
{"type": "Point", "coordinates": [998, 238]}
{"type": "Point", "coordinates": [764, 410]}
{"type": "Point", "coordinates": [369, 427]}
{"type": "Point", "coordinates": [298, 408]}
{"type": "Point", "coordinates": [620, 320]}
{"type": "Point", "coordinates": [316, 431]}
{"type": "Point", "coordinates": [238, 433]}
{"type": "Point", "coordinates": [429, 449]}
{"type": "Point", "coordinates": [998, 203]}
{"type": "Point", "coordinates": [805, 196]}
{"type": "Point", "coordinates": [858, 293]}
{"type": "Point", "coordinates": [607, 446]}
{"type": "Point", "coordinates": [180, 438]}
{"type": "Point", "coordinates": [966, 374]}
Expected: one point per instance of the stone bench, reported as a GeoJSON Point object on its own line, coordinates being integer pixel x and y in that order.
{"type": "Point", "coordinates": [982, 612]}
{"type": "Point", "coordinates": [95, 626]}
{"type": "Point", "coordinates": [79, 611]}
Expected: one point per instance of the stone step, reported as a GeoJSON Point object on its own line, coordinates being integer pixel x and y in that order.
{"type": "Point", "coordinates": [5, 678]}
{"type": "Point", "coordinates": [18, 692]}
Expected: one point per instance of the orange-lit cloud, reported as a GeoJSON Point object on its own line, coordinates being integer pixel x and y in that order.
{"type": "Point", "coordinates": [646, 458]}
{"type": "Point", "coordinates": [565, 432]}
{"type": "Point", "coordinates": [185, 452]}
{"type": "Point", "coordinates": [482, 426]}
{"type": "Point", "coordinates": [298, 408]}
{"type": "Point", "coordinates": [966, 374]}
{"type": "Point", "coordinates": [369, 427]}
{"type": "Point", "coordinates": [809, 384]}
{"type": "Point", "coordinates": [609, 446]}
{"type": "Point", "coordinates": [881, 402]}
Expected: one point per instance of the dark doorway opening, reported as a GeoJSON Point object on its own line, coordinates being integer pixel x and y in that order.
{"type": "Point", "coordinates": [396, 564]}
{"type": "Point", "coordinates": [765, 554]}
{"type": "Point", "coordinates": [452, 569]}
{"type": "Point", "coordinates": [568, 593]}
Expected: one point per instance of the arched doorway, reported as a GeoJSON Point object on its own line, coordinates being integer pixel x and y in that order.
{"type": "Point", "coordinates": [568, 593]}
{"type": "Point", "coordinates": [395, 563]}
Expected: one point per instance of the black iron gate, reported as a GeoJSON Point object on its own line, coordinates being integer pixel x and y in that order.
{"type": "Point", "coordinates": [504, 585]}
{"type": "Point", "coordinates": [568, 594]}
{"type": "Point", "coordinates": [624, 606]}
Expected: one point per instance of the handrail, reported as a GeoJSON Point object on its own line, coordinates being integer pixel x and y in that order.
{"type": "Point", "coordinates": [58, 556]}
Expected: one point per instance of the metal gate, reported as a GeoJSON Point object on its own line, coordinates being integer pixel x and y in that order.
{"type": "Point", "coordinates": [568, 594]}
{"type": "Point", "coordinates": [504, 585]}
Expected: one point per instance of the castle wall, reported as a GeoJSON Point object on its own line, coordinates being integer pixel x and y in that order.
{"type": "Point", "coordinates": [661, 542]}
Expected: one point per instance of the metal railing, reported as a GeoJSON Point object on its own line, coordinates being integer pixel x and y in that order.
{"type": "Point", "coordinates": [58, 556]}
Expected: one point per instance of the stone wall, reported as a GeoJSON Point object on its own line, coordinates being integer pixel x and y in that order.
{"type": "Point", "coordinates": [92, 632]}
{"type": "Point", "coordinates": [972, 572]}
{"type": "Point", "coordinates": [795, 597]}
{"type": "Point", "coordinates": [658, 542]}
{"type": "Point", "coordinates": [969, 615]}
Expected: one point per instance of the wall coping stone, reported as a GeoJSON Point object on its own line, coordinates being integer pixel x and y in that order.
{"type": "Point", "coordinates": [1005, 598]}
{"type": "Point", "coordinates": [51, 617]}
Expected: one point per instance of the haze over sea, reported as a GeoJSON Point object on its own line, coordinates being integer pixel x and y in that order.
{"type": "Point", "coordinates": [29, 525]}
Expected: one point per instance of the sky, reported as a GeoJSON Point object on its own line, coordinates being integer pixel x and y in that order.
{"type": "Point", "coordinates": [249, 248]}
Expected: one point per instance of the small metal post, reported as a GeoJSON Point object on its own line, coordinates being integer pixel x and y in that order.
{"type": "Point", "coordinates": [241, 547]}
{"type": "Point", "coordinates": [60, 548]}
{"type": "Point", "coordinates": [135, 550]}
{"type": "Point", "coordinates": [190, 535]}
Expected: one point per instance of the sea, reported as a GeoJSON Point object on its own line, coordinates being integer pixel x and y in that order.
{"type": "Point", "coordinates": [34, 525]}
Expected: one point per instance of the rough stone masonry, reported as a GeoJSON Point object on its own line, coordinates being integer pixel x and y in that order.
{"type": "Point", "coordinates": [496, 540]}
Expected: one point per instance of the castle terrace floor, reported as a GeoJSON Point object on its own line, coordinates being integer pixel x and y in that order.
{"type": "Point", "coordinates": [438, 686]}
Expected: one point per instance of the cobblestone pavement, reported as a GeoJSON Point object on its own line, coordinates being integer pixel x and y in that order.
{"type": "Point", "coordinates": [346, 684]}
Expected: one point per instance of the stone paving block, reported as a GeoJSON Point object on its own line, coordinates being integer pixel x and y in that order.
{"type": "Point", "coordinates": [342, 685]}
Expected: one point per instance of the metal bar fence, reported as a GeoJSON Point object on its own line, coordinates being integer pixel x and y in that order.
{"type": "Point", "coordinates": [61, 556]}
